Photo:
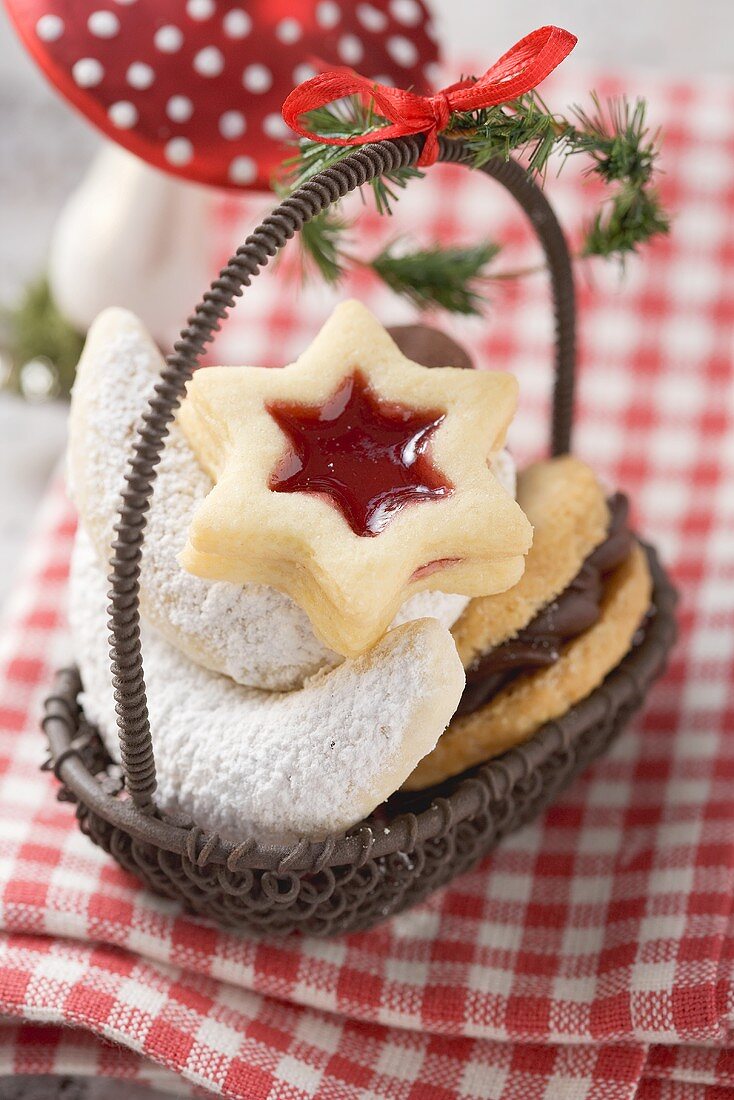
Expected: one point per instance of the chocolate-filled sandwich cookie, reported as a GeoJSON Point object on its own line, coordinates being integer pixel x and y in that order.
{"type": "Point", "coordinates": [533, 652]}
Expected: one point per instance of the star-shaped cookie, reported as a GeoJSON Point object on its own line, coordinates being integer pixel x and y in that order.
{"type": "Point", "coordinates": [354, 478]}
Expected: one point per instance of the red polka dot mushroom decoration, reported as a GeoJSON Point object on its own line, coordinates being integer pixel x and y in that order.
{"type": "Point", "coordinates": [195, 87]}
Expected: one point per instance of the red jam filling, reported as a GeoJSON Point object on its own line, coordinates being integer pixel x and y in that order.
{"type": "Point", "coordinates": [367, 455]}
{"type": "Point", "coordinates": [433, 567]}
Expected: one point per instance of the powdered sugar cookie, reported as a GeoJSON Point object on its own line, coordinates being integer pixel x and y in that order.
{"type": "Point", "coordinates": [252, 633]}
{"type": "Point", "coordinates": [354, 478]}
{"type": "Point", "coordinates": [274, 766]}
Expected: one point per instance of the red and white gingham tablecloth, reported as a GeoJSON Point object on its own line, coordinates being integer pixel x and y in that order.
{"type": "Point", "coordinates": [592, 956]}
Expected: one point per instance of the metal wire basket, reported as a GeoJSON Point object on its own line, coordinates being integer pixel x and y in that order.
{"type": "Point", "coordinates": [405, 849]}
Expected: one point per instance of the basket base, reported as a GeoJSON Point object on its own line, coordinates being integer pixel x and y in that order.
{"type": "Point", "coordinates": [278, 891]}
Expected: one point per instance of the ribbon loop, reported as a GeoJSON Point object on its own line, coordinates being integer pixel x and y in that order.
{"type": "Point", "coordinates": [517, 72]}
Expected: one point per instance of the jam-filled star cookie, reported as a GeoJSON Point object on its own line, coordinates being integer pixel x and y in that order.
{"type": "Point", "coordinates": [352, 479]}
{"type": "Point", "coordinates": [535, 651]}
{"type": "Point", "coordinates": [251, 633]}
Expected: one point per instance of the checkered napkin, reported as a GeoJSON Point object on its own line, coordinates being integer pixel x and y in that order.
{"type": "Point", "coordinates": [591, 956]}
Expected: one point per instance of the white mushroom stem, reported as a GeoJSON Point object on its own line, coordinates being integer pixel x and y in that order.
{"type": "Point", "coordinates": [132, 236]}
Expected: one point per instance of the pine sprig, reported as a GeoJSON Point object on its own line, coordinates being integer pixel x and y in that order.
{"type": "Point", "coordinates": [623, 154]}
{"type": "Point", "coordinates": [348, 117]}
{"type": "Point", "coordinates": [437, 276]}
{"type": "Point", "coordinates": [631, 218]}
{"type": "Point", "coordinates": [615, 137]}
{"type": "Point", "coordinates": [35, 330]}
{"type": "Point", "coordinates": [447, 278]}
{"type": "Point", "coordinates": [524, 124]}
{"type": "Point", "coordinates": [322, 246]}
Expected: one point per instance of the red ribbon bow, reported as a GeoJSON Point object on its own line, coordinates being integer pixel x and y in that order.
{"type": "Point", "coordinates": [520, 70]}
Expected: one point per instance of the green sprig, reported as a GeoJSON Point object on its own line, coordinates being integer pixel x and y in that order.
{"type": "Point", "coordinates": [524, 124]}
{"type": "Point", "coordinates": [445, 277]}
{"type": "Point", "coordinates": [322, 246]}
{"type": "Point", "coordinates": [346, 118]}
{"type": "Point", "coordinates": [36, 330]}
{"type": "Point", "coordinates": [614, 136]}
{"type": "Point", "coordinates": [623, 154]}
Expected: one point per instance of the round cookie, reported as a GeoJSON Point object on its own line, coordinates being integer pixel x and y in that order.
{"type": "Point", "coordinates": [525, 705]}
{"type": "Point", "coordinates": [567, 507]}
{"type": "Point", "coordinates": [252, 633]}
{"type": "Point", "coordinates": [279, 767]}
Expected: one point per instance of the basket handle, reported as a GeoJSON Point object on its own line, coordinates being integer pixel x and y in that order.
{"type": "Point", "coordinates": [356, 169]}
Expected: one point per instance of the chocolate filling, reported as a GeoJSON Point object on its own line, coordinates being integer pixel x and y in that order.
{"type": "Point", "coordinates": [540, 643]}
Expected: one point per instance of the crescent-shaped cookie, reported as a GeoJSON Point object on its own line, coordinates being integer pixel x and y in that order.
{"type": "Point", "coordinates": [279, 767]}
{"type": "Point", "coordinates": [252, 633]}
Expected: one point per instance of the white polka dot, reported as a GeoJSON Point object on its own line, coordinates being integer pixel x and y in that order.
{"type": "Point", "coordinates": [407, 12]}
{"type": "Point", "coordinates": [242, 170]}
{"type": "Point", "coordinates": [432, 73]}
{"type": "Point", "coordinates": [431, 32]}
{"type": "Point", "coordinates": [125, 3]}
{"type": "Point", "coordinates": [384, 78]}
{"type": "Point", "coordinates": [87, 72]}
{"type": "Point", "coordinates": [288, 31]}
{"type": "Point", "coordinates": [328, 14]}
{"type": "Point", "coordinates": [209, 61]}
{"type": "Point", "coordinates": [200, 9]}
{"type": "Point", "coordinates": [275, 127]}
{"type": "Point", "coordinates": [303, 72]}
{"type": "Point", "coordinates": [123, 114]}
{"type": "Point", "coordinates": [402, 50]}
{"type": "Point", "coordinates": [38, 379]}
{"type": "Point", "coordinates": [179, 108]}
{"type": "Point", "coordinates": [49, 28]}
{"type": "Point", "coordinates": [168, 39]}
{"type": "Point", "coordinates": [371, 18]}
{"type": "Point", "coordinates": [103, 24]}
{"type": "Point", "coordinates": [232, 125]}
{"type": "Point", "coordinates": [257, 78]}
{"type": "Point", "coordinates": [237, 23]}
{"type": "Point", "coordinates": [140, 75]}
{"type": "Point", "coordinates": [179, 151]}
{"type": "Point", "coordinates": [350, 49]}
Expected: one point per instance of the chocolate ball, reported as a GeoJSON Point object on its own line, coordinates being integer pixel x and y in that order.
{"type": "Point", "coordinates": [429, 346]}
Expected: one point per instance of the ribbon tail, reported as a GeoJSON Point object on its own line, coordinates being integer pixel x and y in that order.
{"type": "Point", "coordinates": [429, 152]}
{"type": "Point", "coordinates": [526, 65]}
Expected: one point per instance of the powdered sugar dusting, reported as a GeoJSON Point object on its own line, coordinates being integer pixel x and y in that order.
{"type": "Point", "coordinates": [243, 762]}
{"type": "Point", "coordinates": [254, 634]}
